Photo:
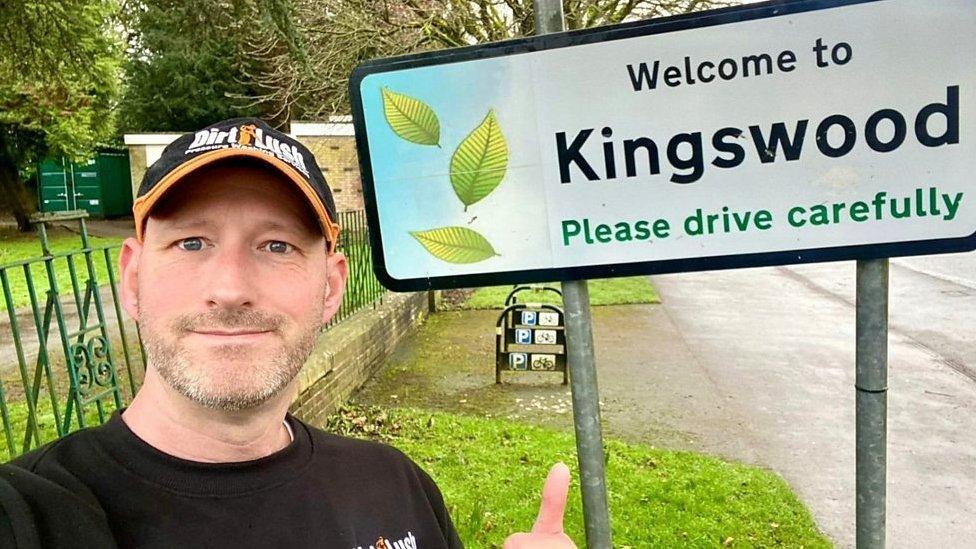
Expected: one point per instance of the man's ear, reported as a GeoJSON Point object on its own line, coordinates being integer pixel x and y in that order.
{"type": "Point", "coordinates": [129, 276]}
{"type": "Point", "coordinates": [338, 272]}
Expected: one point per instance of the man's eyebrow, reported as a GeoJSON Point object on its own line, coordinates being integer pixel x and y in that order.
{"type": "Point", "coordinates": [293, 230]}
{"type": "Point", "coordinates": [267, 225]}
{"type": "Point", "coordinates": [189, 224]}
{"type": "Point", "coordinates": [274, 225]}
{"type": "Point", "coordinates": [270, 225]}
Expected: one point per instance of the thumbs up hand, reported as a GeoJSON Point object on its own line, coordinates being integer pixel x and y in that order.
{"type": "Point", "coordinates": [548, 530]}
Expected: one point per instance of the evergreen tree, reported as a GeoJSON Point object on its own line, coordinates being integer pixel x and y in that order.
{"type": "Point", "coordinates": [59, 65]}
{"type": "Point", "coordinates": [190, 62]}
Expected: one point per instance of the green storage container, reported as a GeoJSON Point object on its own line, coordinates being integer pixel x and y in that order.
{"type": "Point", "coordinates": [100, 186]}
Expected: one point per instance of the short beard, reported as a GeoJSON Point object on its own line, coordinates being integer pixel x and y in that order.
{"type": "Point", "coordinates": [174, 365]}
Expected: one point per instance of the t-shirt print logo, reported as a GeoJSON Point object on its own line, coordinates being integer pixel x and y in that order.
{"type": "Point", "coordinates": [408, 542]}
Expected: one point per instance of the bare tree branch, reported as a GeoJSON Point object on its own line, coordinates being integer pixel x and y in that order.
{"type": "Point", "coordinates": [336, 35]}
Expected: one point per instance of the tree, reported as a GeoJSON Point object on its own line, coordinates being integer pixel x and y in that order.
{"type": "Point", "coordinates": [339, 34]}
{"type": "Point", "coordinates": [190, 63]}
{"type": "Point", "coordinates": [59, 62]}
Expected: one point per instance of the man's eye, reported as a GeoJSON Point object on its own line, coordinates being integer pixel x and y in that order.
{"type": "Point", "coordinates": [190, 244]}
{"type": "Point", "coordinates": [279, 247]}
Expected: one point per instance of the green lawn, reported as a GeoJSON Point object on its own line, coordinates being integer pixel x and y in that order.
{"type": "Point", "coordinates": [16, 246]}
{"type": "Point", "coordinates": [491, 471]}
{"type": "Point", "coordinates": [18, 415]}
{"type": "Point", "coordinates": [607, 291]}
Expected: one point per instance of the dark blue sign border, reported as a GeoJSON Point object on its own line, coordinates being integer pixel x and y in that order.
{"type": "Point", "coordinates": [588, 36]}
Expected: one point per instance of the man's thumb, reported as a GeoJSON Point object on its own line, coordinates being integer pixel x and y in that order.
{"type": "Point", "coordinates": [550, 520]}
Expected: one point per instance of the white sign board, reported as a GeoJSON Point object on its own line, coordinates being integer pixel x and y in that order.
{"type": "Point", "coordinates": [765, 134]}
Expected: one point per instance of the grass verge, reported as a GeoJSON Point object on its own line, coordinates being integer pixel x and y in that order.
{"type": "Point", "coordinates": [491, 472]}
{"type": "Point", "coordinates": [16, 246]}
{"type": "Point", "coordinates": [607, 291]}
{"type": "Point", "coordinates": [18, 415]}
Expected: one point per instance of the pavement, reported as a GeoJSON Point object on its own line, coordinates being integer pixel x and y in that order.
{"type": "Point", "coordinates": [777, 345]}
{"type": "Point", "coordinates": [756, 365]}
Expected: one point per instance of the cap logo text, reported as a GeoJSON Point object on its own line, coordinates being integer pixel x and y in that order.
{"type": "Point", "coordinates": [251, 137]}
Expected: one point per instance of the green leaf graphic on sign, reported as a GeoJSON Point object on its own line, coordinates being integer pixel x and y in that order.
{"type": "Point", "coordinates": [480, 161]}
{"type": "Point", "coordinates": [455, 244]}
{"type": "Point", "coordinates": [411, 118]}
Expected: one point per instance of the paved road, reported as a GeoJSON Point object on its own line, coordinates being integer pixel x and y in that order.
{"type": "Point", "coordinates": [758, 365]}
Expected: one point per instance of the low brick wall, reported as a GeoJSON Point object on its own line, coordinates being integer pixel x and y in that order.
{"type": "Point", "coordinates": [352, 351]}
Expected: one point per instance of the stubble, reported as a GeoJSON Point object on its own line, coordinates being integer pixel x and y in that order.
{"type": "Point", "coordinates": [259, 377]}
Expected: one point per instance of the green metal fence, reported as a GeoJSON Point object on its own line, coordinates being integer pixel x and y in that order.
{"type": "Point", "coordinates": [363, 289]}
{"type": "Point", "coordinates": [50, 389]}
{"type": "Point", "coordinates": [64, 340]}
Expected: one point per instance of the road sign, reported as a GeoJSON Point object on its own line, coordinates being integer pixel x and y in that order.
{"type": "Point", "coordinates": [765, 134]}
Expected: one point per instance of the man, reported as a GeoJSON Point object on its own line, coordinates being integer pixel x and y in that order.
{"type": "Point", "coordinates": [232, 273]}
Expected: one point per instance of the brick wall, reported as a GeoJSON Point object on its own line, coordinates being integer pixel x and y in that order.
{"type": "Point", "coordinates": [352, 351]}
{"type": "Point", "coordinates": [137, 167]}
{"type": "Point", "coordinates": [336, 155]}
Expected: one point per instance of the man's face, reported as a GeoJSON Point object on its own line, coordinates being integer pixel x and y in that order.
{"type": "Point", "coordinates": [231, 285]}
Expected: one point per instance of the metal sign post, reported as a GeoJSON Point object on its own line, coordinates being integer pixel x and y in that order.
{"type": "Point", "coordinates": [871, 400]}
{"type": "Point", "coordinates": [582, 366]}
{"type": "Point", "coordinates": [586, 413]}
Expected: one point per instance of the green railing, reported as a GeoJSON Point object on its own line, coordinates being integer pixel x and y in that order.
{"type": "Point", "coordinates": [60, 354]}
{"type": "Point", "coordinates": [55, 388]}
{"type": "Point", "coordinates": [362, 289]}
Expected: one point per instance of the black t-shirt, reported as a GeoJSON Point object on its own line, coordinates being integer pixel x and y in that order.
{"type": "Point", "coordinates": [321, 491]}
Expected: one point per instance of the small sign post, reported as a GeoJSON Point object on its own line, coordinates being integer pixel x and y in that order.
{"type": "Point", "coordinates": [530, 337]}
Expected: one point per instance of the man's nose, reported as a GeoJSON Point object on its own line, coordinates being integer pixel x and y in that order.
{"type": "Point", "coordinates": [231, 282]}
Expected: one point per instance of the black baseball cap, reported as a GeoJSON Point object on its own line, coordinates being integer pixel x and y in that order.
{"type": "Point", "coordinates": [238, 137]}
